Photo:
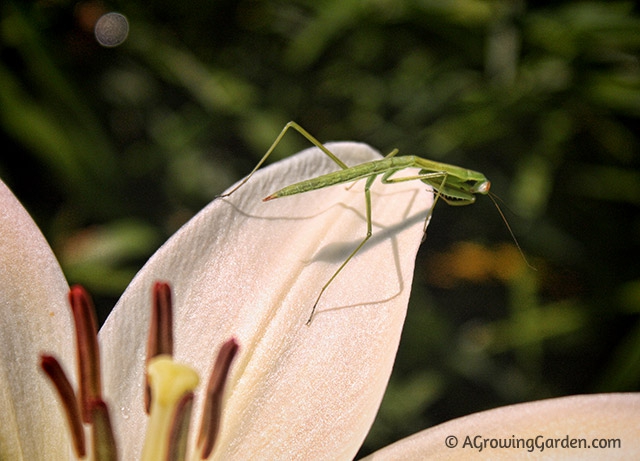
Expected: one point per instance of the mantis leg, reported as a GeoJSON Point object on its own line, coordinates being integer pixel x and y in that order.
{"type": "Point", "coordinates": [367, 195]}
{"type": "Point", "coordinates": [392, 153]}
{"type": "Point", "coordinates": [304, 133]}
{"type": "Point", "coordinates": [386, 179]}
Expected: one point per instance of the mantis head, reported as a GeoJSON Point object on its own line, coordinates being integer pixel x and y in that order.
{"type": "Point", "coordinates": [481, 187]}
{"type": "Point", "coordinates": [458, 192]}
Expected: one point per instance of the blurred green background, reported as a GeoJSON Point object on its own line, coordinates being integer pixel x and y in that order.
{"type": "Point", "coordinates": [112, 149]}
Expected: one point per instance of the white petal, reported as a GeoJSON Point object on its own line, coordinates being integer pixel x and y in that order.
{"type": "Point", "coordinates": [554, 421]}
{"type": "Point", "coordinates": [34, 318]}
{"type": "Point", "coordinates": [252, 269]}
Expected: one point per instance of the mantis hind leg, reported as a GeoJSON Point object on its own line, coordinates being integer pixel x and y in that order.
{"type": "Point", "coordinates": [367, 195]}
{"type": "Point", "coordinates": [304, 133]}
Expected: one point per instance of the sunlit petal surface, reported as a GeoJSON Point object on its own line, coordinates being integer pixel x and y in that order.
{"type": "Point", "coordinates": [252, 270]}
{"type": "Point", "coordinates": [605, 417]}
{"type": "Point", "coordinates": [34, 318]}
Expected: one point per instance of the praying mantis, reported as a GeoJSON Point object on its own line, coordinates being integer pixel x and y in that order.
{"type": "Point", "coordinates": [453, 184]}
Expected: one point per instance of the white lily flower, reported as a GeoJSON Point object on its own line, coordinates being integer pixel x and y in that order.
{"type": "Point", "coordinates": [240, 269]}
{"type": "Point", "coordinates": [245, 272]}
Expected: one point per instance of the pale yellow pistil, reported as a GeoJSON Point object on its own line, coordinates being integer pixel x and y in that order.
{"type": "Point", "coordinates": [170, 382]}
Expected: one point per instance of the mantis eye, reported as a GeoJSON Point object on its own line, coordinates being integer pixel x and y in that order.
{"type": "Point", "coordinates": [482, 188]}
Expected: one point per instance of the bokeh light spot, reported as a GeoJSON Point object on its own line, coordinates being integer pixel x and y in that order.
{"type": "Point", "coordinates": [111, 29]}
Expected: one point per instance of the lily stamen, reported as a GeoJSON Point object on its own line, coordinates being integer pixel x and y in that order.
{"type": "Point", "coordinates": [56, 374]}
{"type": "Point", "coordinates": [104, 444]}
{"type": "Point", "coordinates": [212, 412]}
{"type": "Point", "coordinates": [88, 351]}
{"type": "Point", "coordinates": [179, 434]}
{"type": "Point", "coordinates": [160, 339]}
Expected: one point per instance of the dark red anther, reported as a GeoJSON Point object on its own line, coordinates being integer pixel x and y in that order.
{"type": "Point", "coordinates": [104, 443]}
{"type": "Point", "coordinates": [212, 412]}
{"type": "Point", "coordinates": [179, 435]}
{"type": "Point", "coordinates": [56, 374]}
{"type": "Point", "coordinates": [160, 340]}
{"type": "Point", "coordinates": [88, 352]}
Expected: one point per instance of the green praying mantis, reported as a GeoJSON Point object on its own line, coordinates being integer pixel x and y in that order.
{"type": "Point", "coordinates": [453, 184]}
